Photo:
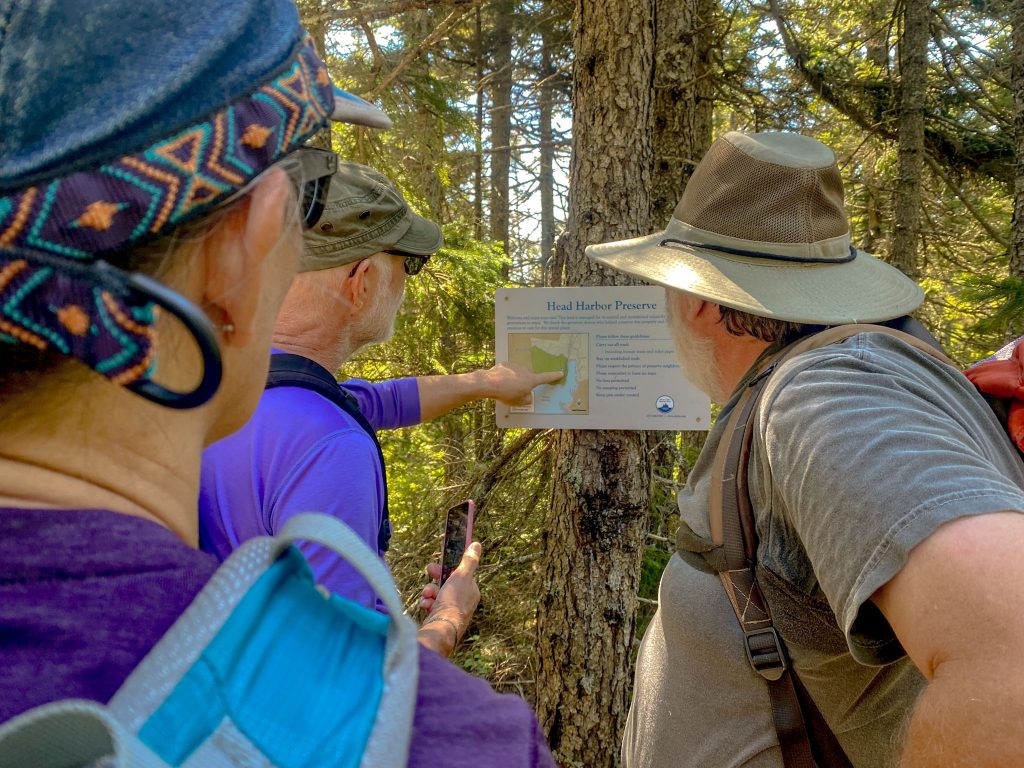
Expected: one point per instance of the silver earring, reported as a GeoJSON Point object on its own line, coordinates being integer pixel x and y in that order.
{"type": "Point", "coordinates": [228, 328]}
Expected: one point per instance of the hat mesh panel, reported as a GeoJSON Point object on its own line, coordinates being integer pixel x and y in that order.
{"type": "Point", "coordinates": [733, 194]}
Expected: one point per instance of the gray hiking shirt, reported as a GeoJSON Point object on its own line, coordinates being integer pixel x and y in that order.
{"type": "Point", "coordinates": [862, 449]}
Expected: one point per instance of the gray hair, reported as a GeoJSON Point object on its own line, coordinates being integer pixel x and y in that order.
{"type": "Point", "coordinates": [767, 329]}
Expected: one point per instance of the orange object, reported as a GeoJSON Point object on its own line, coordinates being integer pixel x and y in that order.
{"type": "Point", "coordinates": [1002, 376]}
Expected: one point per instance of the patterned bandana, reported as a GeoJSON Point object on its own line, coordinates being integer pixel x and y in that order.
{"type": "Point", "coordinates": [82, 216]}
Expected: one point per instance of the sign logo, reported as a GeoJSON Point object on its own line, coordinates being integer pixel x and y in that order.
{"type": "Point", "coordinates": [665, 404]}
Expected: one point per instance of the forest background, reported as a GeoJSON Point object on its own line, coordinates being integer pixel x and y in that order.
{"type": "Point", "coordinates": [530, 128]}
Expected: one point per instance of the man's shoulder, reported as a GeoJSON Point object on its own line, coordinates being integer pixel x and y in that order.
{"type": "Point", "coordinates": [291, 408]}
{"type": "Point", "coordinates": [878, 348]}
{"type": "Point", "coordinates": [867, 363]}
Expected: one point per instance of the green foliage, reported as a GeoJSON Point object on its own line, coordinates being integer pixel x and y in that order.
{"type": "Point", "coordinates": [1002, 300]}
{"type": "Point", "coordinates": [654, 562]}
{"type": "Point", "coordinates": [439, 153]}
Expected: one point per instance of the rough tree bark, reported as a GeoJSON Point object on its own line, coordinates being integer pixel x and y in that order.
{"type": "Point", "coordinates": [683, 98]}
{"type": "Point", "coordinates": [876, 43]}
{"type": "Point", "coordinates": [597, 528]}
{"type": "Point", "coordinates": [478, 169]}
{"type": "Point", "coordinates": [682, 121]}
{"type": "Point", "coordinates": [546, 178]}
{"type": "Point", "coordinates": [501, 118]}
{"type": "Point", "coordinates": [1017, 226]}
{"type": "Point", "coordinates": [418, 26]}
{"type": "Point", "coordinates": [913, 84]}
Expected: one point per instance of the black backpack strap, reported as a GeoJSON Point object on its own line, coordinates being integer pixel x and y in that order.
{"type": "Point", "coordinates": [804, 736]}
{"type": "Point", "coordinates": [296, 371]}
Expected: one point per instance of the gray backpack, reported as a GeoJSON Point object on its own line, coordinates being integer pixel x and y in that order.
{"type": "Point", "coordinates": [263, 669]}
{"type": "Point", "coordinates": [804, 737]}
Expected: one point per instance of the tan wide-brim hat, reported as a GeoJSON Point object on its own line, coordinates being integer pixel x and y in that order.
{"type": "Point", "coordinates": [762, 228]}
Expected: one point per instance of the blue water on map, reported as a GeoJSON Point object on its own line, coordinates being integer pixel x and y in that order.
{"type": "Point", "coordinates": [557, 398]}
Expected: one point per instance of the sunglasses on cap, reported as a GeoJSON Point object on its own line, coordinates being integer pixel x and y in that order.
{"type": "Point", "coordinates": [316, 167]}
{"type": "Point", "coordinates": [412, 262]}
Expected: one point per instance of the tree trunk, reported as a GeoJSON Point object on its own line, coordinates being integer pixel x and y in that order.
{"type": "Point", "coordinates": [425, 122]}
{"type": "Point", "coordinates": [501, 119]}
{"type": "Point", "coordinates": [1017, 227]}
{"type": "Point", "coordinates": [478, 170]}
{"type": "Point", "coordinates": [546, 179]}
{"type": "Point", "coordinates": [913, 84]}
{"type": "Point", "coordinates": [683, 98]}
{"type": "Point", "coordinates": [682, 122]}
{"type": "Point", "coordinates": [876, 44]}
{"type": "Point", "coordinates": [595, 536]}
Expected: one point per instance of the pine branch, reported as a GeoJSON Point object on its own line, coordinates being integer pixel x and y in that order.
{"type": "Point", "coordinates": [979, 217]}
{"type": "Point", "coordinates": [436, 36]}
{"type": "Point", "coordinates": [366, 13]}
{"type": "Point", "coordinates": [988, 155]}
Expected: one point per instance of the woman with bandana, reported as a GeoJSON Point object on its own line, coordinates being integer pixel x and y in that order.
{"type": "Point", "coordinates": [154, 183]}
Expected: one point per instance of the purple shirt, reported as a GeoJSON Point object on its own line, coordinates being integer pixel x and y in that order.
{"type": "Point", "coordinates": [302, 453]}
{"type": "Point", "coordinates": [84, 595]}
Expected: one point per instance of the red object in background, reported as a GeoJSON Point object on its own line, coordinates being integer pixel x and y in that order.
{"type": "Point", "coordinates": [1002, 376]}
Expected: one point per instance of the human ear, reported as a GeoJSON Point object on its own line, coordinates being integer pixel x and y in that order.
{"type": "Point", "coordinates": [687, 306]}
{"type": "Point", "coordinates": [234, 252]}
{"type": "Point", "coordinates": [356, 288]}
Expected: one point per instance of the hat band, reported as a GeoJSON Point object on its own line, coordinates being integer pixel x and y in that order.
{"type": "Point", "coordinates": [49, 229]}
{"type": "Point", "coordinates": [759, 254]}
{"type": "Point", "coordinates": [834, 250]}
{"type": "Point", "coordinates": [139, 196]}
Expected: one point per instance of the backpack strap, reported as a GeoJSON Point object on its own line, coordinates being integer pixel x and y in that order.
{"type": "Point", "coordinates": [147, 689]}
{"type": "Point", "coordinates": [288, 370]}
{"type": "Point", "coordinates": [181, 671]}
{"type": "Point", "coordinates": [73, 733]}
{"type": "Point", "coordinates": [804, 736]}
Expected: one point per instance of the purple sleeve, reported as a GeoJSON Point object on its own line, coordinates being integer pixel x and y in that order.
{"type": "Point", "coordinates": [460, 722]}
{"type": "Point", "coordinates": [387, 404]}
{"type": "Point", "coordinates": [339, 476]}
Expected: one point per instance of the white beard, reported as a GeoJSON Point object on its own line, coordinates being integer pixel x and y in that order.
{"type": "Point", "coordinates": [378, 324]}
{"type": "Point", "coordinates": [381, 323]}
{"type": "Point", "coordinates": [696, 355]}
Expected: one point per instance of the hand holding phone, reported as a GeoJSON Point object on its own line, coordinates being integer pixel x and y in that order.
{"type": "Point", "coordinates": [450, 608]}
{"type": "Point", "coordinates": [458, 534]}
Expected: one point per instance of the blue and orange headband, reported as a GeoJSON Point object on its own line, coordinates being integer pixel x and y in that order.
{"type": "Point", "coordinates": [52, 232]}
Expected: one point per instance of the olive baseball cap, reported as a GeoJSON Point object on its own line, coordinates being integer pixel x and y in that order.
{"type": "Point", "coordinates": [364, 214]}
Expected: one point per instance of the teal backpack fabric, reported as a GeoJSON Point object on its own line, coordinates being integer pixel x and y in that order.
{"type": "Point", "coordinates": [263, 669]}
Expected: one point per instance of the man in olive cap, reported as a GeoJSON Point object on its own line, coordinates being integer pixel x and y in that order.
{"type": "Point", "coordinates": [882, 544]}
{"type": "Point", "coordinates": [304, 450]}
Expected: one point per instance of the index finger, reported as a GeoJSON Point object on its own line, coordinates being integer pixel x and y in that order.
{"type": "Point", "coordinates": [550, 377]}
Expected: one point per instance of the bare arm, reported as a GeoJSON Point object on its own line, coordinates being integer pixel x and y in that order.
{"type": "Point", "coordinates": [958, 609]}
{"type": "Point", "coordinates": [451, 607]}
{"type": "Point", "coordinates": [507, 384]}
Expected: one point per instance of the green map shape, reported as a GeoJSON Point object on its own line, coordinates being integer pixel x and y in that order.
{"type": "Point", "coordinates": [542, 361]}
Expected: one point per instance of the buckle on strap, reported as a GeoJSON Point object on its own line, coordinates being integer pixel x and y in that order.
{"type": "Point", "coordinates": [765, 653]}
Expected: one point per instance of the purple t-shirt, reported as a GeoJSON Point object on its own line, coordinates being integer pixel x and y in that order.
{"type": "Point", "coordinates": [85, 594]}
{"type": "Point", "coordinates": [302, 453]}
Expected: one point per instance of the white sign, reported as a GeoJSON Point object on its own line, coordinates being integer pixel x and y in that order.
{"type": "Point", "coordinates": [613, 346]}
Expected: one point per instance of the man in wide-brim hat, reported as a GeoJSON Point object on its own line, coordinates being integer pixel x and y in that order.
{"type": "Point", "coordinates": [886, 497]}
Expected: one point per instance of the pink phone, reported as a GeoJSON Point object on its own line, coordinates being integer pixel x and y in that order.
{"type": "Point", "coordinates": [458, 534]}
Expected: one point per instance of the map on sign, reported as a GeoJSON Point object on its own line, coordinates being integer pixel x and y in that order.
{"type": "Point", "coordinates": [568, 353]}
